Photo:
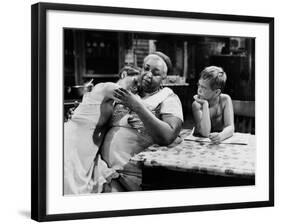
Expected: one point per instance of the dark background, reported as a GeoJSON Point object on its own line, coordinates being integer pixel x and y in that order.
{"type": "Point", "coordinates": [101, 54]}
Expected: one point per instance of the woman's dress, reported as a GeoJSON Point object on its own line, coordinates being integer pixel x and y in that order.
{"type": "Point", "coordinates": [128, 136]}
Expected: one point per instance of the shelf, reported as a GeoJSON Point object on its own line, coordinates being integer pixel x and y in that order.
{"type": "Point", "coordinates": [101, 76]}
{"type": "Point", "coordinates": [176, 84]}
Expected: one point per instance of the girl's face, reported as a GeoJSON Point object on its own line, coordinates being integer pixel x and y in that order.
{"type": "Point", "coordinates": [204, 90]}
{"type": "Point", "coordinates": [129, 83]}
{"type": "Point", "coordinates": [152, 74]}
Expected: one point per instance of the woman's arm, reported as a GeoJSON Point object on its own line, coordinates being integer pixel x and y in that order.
{"type": "Point", "coordinates": [164, 131]}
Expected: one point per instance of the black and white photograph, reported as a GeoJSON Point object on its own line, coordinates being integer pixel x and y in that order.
{"type": "Point", "coordinates": [141, 111]}
{"type": "Point", "coordinates": [155, 111]}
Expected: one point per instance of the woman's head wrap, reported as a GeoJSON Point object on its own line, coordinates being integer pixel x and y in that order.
{"type": "Point", "coordinates": [166, 59]}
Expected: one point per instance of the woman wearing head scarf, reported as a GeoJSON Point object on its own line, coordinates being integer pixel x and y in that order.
{"type": "Point", "coordinates": [138, 123]}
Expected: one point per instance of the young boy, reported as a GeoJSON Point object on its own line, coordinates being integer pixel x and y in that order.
{"type": "Point", "coordinates": [213, 110]}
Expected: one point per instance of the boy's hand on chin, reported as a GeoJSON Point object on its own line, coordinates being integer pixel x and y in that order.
{"type": "Point", "coordinates": [200, 100]}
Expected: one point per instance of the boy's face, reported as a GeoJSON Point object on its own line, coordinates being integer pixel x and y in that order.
{"type": "Point", "coordinates": [204, 90]}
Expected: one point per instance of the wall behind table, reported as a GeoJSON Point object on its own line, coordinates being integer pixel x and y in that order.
{"type": "Point", "coordinates": [185, 92]}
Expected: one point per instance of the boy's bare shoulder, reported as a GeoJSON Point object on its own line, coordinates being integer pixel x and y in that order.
{"type": "Point", "coordinates": [225, 98]}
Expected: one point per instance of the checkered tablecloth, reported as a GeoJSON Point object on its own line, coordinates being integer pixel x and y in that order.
{"type": "Point", "coordinates": [203, 157]}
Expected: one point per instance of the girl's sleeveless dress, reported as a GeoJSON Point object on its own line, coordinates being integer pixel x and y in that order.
{"type": "Point", "coordinates": [84, 170]}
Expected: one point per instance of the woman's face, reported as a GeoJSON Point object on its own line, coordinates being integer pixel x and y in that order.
{"type": "Point", "coordinates": [152, 73]}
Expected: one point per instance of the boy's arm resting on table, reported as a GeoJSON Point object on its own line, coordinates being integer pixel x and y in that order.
{"type": "Point", "coordinates": [202, 118]}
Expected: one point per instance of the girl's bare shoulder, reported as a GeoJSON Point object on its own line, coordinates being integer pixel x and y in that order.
{"type": "Point", "coordinates": [105, 87]}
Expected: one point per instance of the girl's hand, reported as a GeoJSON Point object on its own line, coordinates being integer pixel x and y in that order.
{"type": "Point", "coordinates": [215, 137]}
{"type": "Point", "coordinates": [88, 86]}
{"type": "Point", "coordinates": [126, 98]}
{"type": "Point", "coordinates": [70, 111]}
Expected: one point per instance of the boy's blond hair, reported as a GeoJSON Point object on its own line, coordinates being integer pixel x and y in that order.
{"type": "Point", "coordinates": [215, 75]}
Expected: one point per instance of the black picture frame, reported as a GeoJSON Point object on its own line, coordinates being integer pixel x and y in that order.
{"type": "Point", "coordinates": [39, 109]}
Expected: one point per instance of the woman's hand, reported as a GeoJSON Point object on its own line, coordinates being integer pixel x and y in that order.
{"type": "Point", "coordinates": [126, 98]}
{"type": "Point", "coordinates": [215, 137]}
